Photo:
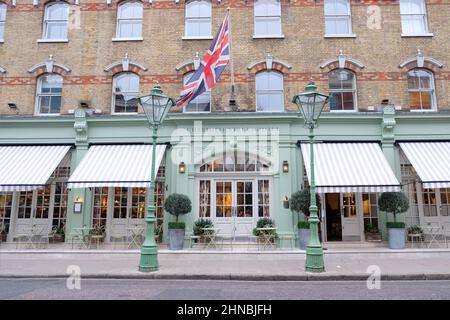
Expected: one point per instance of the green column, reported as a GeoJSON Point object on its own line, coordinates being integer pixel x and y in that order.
{"type": "Point", "coordinates": [314, 251]}
{"type": "Point", "coordinates": [149, 250]}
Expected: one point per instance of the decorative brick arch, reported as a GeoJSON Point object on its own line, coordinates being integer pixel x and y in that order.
{"type": "Point", "coordinates": [125, 65]}
{"type": "Point", "coordinates": [342, 62]}
{"type": "Point", "coordinates": [49, 66]}
{"type": "Point", "coordinates": [269, 63]}
{"type": "Point", "coordinates": [421, 61]}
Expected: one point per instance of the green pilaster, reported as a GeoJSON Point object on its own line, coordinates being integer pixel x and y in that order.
{"type": "Point", "coordinates": [78, 220]}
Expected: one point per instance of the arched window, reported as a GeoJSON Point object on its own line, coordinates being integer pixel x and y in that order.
{"type": "Point", "coordinates": [198, 19]}
{"type": "Point", "coordinates": [125, 92]}
{"type": "Point", "coordinates": [267, 18]}
{"type": "Point", "coordinates": [201, 103]}
{"type": "Point", "coordinates": [56, 21]}
{"type": "Point", "coordinates": [2, 20]}
{"type": "Point", "coordinates": [421, 90]}
{"type": "Point", "coordinates": [338, 20]}
{"type": "Point", "coordinates": [48, 97]}
{"type": "Point", "coordinates": [414, 17]}
{"type": "Point", "coordinates": [342, 85]}
{"type": "Point", "coordinates": [129, 20]}
{"type": "Point", "coordinates": [269, 91]}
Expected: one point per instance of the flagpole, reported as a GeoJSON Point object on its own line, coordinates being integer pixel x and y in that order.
{"type": "Point", "coordinates": [232, 96]}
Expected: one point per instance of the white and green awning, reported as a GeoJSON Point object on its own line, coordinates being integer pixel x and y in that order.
{"type": "Point", "coordinates": [24, 168]}
{"type": "Point", "coordinates": [116, 166]}
{"type": "Point", "coordinates": [431, 160]}
{"type": "Point", "coordinates": [350, 167]}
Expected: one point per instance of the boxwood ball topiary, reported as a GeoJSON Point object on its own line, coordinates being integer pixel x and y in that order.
{"type": "Point", "coordinates": [394, 202]}
{"type": "Point", "coordinates": [301, 200]}
{"type": "Point", "coordinates": [178, 204]}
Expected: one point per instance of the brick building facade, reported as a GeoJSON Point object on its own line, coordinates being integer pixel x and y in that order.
{"type": "Point", "coordinates": [69, 73]}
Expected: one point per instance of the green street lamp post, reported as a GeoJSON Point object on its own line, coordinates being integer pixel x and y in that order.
{"type": "Point", "coordinates": [311, 103]}
{"type": "Point", "coordinates": [156, 106]}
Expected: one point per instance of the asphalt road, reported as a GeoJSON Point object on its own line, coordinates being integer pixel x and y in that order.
{"type": "Point", "coordinates": [222, 290]}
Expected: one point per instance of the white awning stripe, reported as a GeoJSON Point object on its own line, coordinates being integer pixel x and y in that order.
{"type": "Point", "coordinates": [431, 160]}
{"type": "Point", "coordinates": [116, 166]}
{"type": "Point", "coordinates": [350, 167]}
{"type": "Point", "coordinates": [24, 168]}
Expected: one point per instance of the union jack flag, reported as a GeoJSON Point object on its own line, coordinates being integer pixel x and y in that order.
{"type": "Point", "coordinates": [211, 66]}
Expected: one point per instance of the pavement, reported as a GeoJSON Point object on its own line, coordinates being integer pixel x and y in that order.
{"type": "Point", "coordinates": [356, 264]}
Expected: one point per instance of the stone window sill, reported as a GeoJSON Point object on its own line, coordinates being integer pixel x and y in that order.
{"type": "Point", "coordinates": [127, 39]}
{"type": "Point", "coordinates": [279, 36]}
{"type": "Point", "coordinates": [52, 40]}
{"type": "Point", "coordinates": [197, 38]}
{"type": "Point", "coordinates": [404, 35]}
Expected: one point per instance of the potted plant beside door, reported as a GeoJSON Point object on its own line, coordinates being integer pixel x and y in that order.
{"type": "Point", "coordinates": [300, 202]}
{"type": "Point", "coordinates": [395, 203]}
{"type": "Point", "coordinates": [177, 204]}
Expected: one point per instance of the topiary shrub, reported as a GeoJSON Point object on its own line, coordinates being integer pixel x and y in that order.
{"type": "Point", "coordinates": [201, 223]}
{"type": "Point", "coordinates": [301, 200]}
{"type": "Point", "coordinates": [177, 204]}
{"type": "Point", "coordinates": [303, 225]}
{"type": "Point", "coordinates": [394, 202]}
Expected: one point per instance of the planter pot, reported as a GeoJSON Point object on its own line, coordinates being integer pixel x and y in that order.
{"type": "Point", "coordinates": [58, 238]}
{"type": "Point", "coordinates": [303, 238]}
{"type": "Point", "coordinates": [176, 239]}
{"type": "Point", "coordinates": [397, 238]}
{"type": "Point", "coordinates": [370, 236]}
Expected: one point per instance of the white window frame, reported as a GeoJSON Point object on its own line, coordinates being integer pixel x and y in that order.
{"type": "Point", "coordinates": [432, 90]}
{"type": "Point", "coordinates": [354, 91]}
{"type": "Point", "coordinates": [422, 15]}
{"type": "Point", "coordinates": [121, 20]}
{"type": "Point", "coordinates": [335, 16]}
{"type": "Point", "coordinates": [113, 104]}
{"type": "Point", "coordinates": [3, 9]}
{"type": "Point", "coordinates": [206, 93]}
{"type": "Point", "coordinates": [48, 22]}
{"type": "Point", "coordinates": [39, 94]}
{"type": "Point", "coordinates": [198, 18]}
{"type": "Point", "coordinates": [271, 91]}
{"type": "Point", "coordinates": [264, 18]}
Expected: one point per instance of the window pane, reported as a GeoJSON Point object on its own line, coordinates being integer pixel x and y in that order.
{"type": "Point", "coordinates": [55, 104]}
{"type": "Point", "coordinates": [131, 10]}
{"type": "Point", "coordinates": [130, 29]}
{"type": "Point", "coordinates": [336, 101]}
{"type": "Point", "coordinates": [426, 100]}
{"type": "Point", "coordinates": [2, 30]}
{"type": "Point", "coordinates": [198, 9]}
{"type": "Point", "coordinates": [44, 104]}
{"type": "Point", "coordinates": [348, 103]}
{"type": "Point", "coordinates": [342, 25]}
{"type": "Point", "coordinates": [56, 30]}
{"type": "Point", "coordinates": [59, 11]}
{"type": "Point", "coordinates": [2, 12]}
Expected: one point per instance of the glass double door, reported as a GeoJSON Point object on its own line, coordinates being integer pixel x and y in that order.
{"type": "Point", "coordinates": [234, 206]}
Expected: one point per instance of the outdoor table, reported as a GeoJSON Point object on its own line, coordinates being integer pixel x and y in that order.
{"type": "Point", "coordinates": [32, 236]}
{"type": "Point", "coordinates": [210, 236]}
{"type": "Point", "coordinates": [82, 234]}
{"type": "Point", "coordinates": [268, 237]}
{"type": "Point", "coordinates": [433, 232]}
{"type": "Point", "coordinates": [135, 234]}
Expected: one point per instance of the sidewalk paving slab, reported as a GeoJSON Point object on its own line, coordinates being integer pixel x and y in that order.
{"type": "Point", "coordinates": [394, 265]}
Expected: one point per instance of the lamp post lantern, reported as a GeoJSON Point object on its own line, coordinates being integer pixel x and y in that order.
{"type": "Point", "coordinates": [156, 106]}
{"type": "Point", "coordinates": [310, 104]}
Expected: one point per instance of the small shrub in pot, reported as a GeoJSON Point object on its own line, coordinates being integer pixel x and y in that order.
{"type": "Point", "coordinates": [395, 203]}
{"type": "Point", "coordinates": [300, 203]}
{"type": "Point", "coordinates": [177, 204]}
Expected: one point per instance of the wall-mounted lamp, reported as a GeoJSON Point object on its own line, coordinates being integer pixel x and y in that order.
{"type": "Point", "coordinates": [285, 166]}
{"type": "Point", "coordinates": [78, 205]}
{"type": "Point", "coordinates": [286, 202]}
{"type": "Point", "coordinates": [182, 167]}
